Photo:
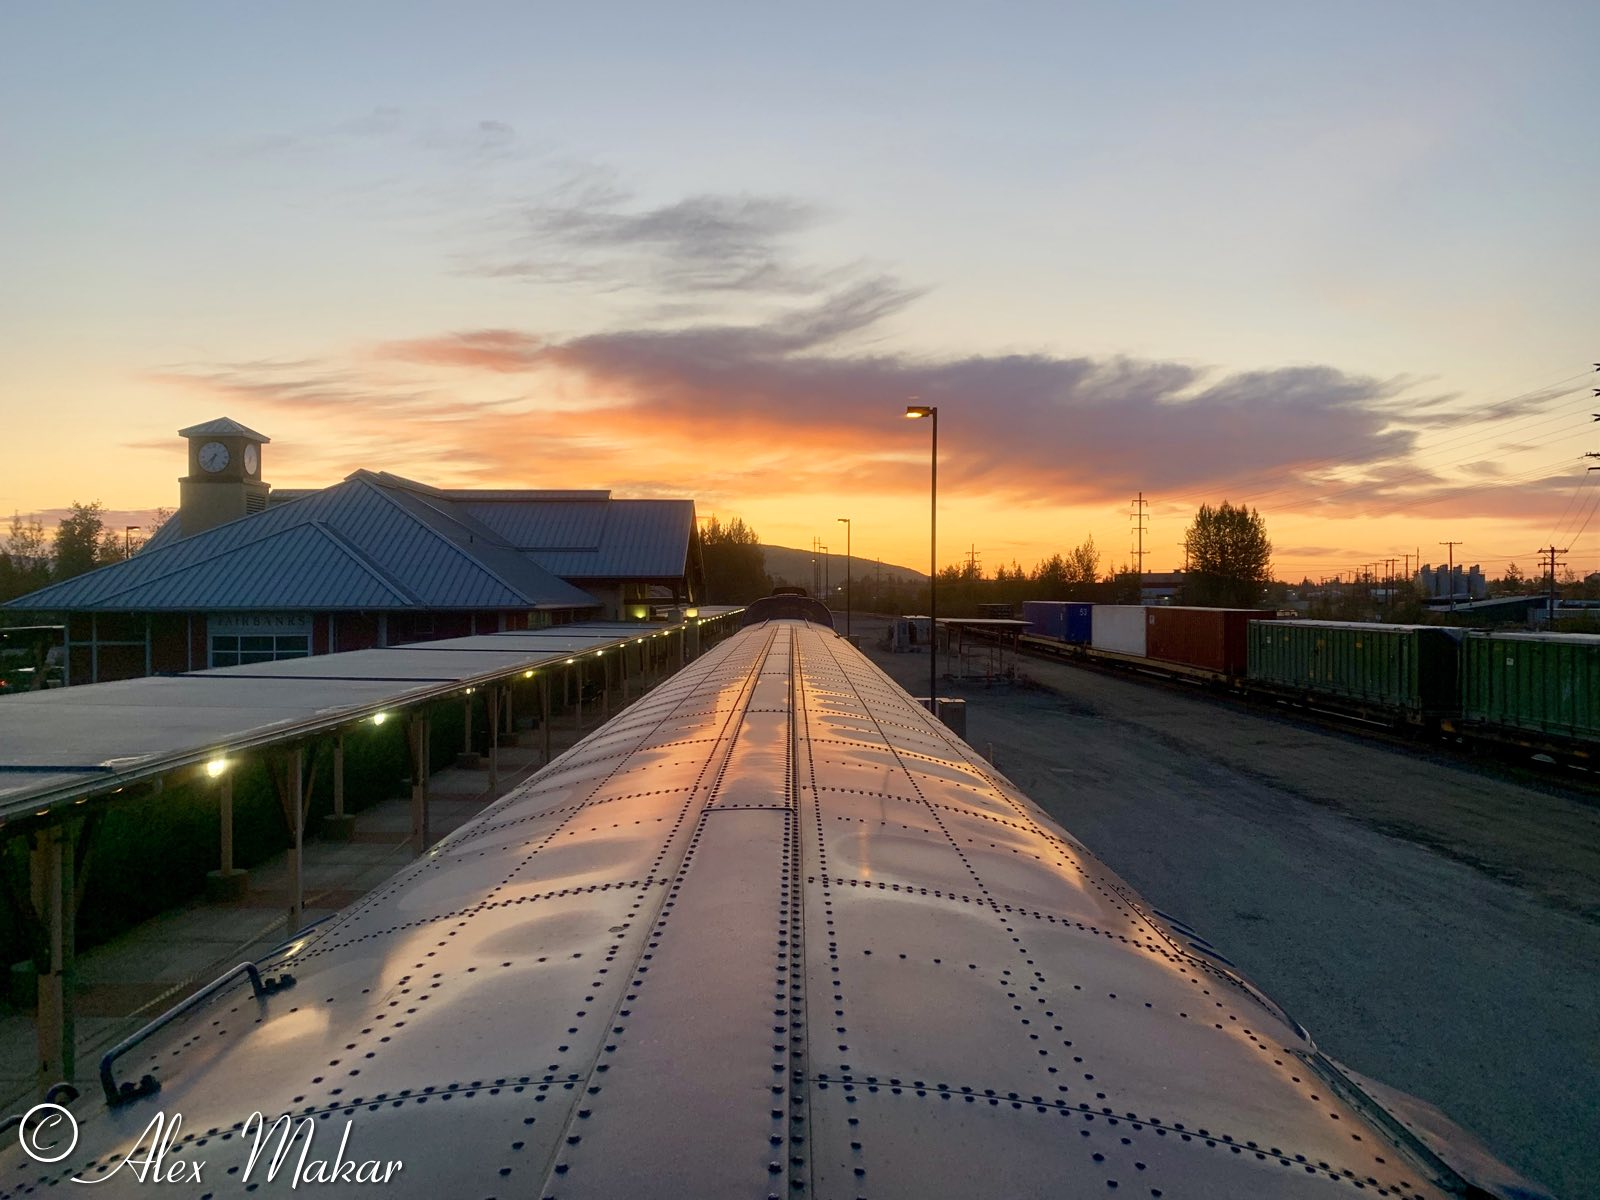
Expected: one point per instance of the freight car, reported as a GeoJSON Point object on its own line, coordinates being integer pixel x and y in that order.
{"type": "Point", "coordinates": [1539, 692]}
{"type": "Point", "coordinates": [1407, 673]}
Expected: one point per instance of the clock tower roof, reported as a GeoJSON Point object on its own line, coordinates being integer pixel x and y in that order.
{"type": "Point", "coordinates": [223, 427]}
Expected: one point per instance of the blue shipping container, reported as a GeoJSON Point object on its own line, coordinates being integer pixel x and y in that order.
{"type": "Point", "coordinates": [1046, 618]}
{"type": "Point", "coordinates": [1058, 619]}
{"type": "Point", "coordinates": [1080, 623]}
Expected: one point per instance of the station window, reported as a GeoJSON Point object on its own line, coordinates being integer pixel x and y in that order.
{"type": "Point", "coordinates": [230, 650]}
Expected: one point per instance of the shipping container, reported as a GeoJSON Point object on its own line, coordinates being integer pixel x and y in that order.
{"type": "Point", "coordinates": [1080, 624]}
{"type": "Point", "coordinates": [1046, 618]}
{"type": "Point", "coordinates": [1409, 671]}
{"type": "Point", "coordinates": [1214, 639]}
{"type": "Point", "coordinates": [1119, 628]}
{"type": "Point", "coordinates": [1059, 619]}
{"type": "Point", "coordinates": [1546, 683]}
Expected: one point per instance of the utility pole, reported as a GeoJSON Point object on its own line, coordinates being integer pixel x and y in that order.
{"type": "Point", "coordinates": [1139, 505]}
{"type": "Point", "coordinates": [1451, 577]}
{"type": "Point", "coordinates": [1550, 552]}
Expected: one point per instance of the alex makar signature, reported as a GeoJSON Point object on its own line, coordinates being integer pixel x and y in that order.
{"type": "Point", "coordinates": [49, 1133]}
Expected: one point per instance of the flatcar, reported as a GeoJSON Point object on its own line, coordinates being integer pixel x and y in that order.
{"type": "Point", "coordinates": [771, 931]}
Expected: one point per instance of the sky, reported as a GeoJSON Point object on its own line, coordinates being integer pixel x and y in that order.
{"type": "Point", "coordinates": [1335, 262]}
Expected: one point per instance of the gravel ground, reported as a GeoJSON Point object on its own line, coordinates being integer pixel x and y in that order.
{"type": "Point", "coordinates": [1434, 921]}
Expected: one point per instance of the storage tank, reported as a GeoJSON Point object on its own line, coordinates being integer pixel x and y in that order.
{"type": "Point", "coordinates": [1214, 639]}
{"type": "Point", "coordinates": [1119, 628]}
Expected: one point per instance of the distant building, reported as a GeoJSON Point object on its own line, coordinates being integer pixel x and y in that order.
{"type": "Point", "coordinates": [1161, 587]}
{"type": "Point", "coordinates": [1465, 583]}
{"type": "Point", "coordinates": [242, 574]}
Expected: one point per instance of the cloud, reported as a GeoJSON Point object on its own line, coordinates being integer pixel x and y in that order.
{"type": "Point", "coordinates": [795, 404]}
{"type": "Point", "coordinates": [589, 229]}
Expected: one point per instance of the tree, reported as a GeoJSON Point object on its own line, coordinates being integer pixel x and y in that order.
{"type": "Point", "coordinates": [77, 540]}
{"type": "Point", "coordinates": [1230, 557]}
{"type": "Point", "coordinates": [1083, 564]}
{"type": "Point", "coordinates": [24, 565]}
{"type": "Point", "coordinates": [736, 568]}
{"type": "Point", "coordinates": [1050, 578]}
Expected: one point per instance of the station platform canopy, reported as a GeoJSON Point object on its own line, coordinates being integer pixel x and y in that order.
{"type": "Point", "coordinates": [63, 745]}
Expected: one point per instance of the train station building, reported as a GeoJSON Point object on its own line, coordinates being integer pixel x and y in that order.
{"type": "Point", "coordinates": [245, 574]}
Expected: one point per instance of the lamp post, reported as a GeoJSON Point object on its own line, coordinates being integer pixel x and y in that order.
{"type": "Point", "coordinates": [846, 521]}
{"type": "Point", "coordinates": [914, 412]}
{"type": "Point", "coordinates": [127, 540]}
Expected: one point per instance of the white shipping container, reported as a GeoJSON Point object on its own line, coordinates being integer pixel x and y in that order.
{"type": "Point", "coordinates": [1119, 627]}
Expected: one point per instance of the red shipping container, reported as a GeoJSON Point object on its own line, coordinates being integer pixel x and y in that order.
{"type": "Point", "coordinates": [1214, 639]}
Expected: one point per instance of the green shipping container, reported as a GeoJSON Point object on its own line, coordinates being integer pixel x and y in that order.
{"type": "Point", "coordinates": [1406, 670]}
{"type": "Point", "coordinates": [1545, 683]}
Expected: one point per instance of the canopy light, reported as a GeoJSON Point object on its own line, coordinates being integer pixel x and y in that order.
{"type": "Point", "coordinates": [216, 767]}
{"type": "Point", "coordinates": [527, 674]}
{"type": "Point", "coordinates": [379, 718]}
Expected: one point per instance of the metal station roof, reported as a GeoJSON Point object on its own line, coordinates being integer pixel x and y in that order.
{"type": "Point", "coordinates": [610, 539]}
{"type": "Point", "coordinates": [58, 745]}
{"type": "Point", "coordinates": [770, 931]}
{"type": "Point", "coordinates": [362, 544]}
{"type": "Point", "coordinates": [223, 427]}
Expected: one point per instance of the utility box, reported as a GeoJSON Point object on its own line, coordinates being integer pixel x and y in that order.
{"type": "Point", "coordinates": [952, 711]}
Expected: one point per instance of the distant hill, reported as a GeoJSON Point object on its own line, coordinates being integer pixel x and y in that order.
{"type": "Point", "coordinates": [787, 565]}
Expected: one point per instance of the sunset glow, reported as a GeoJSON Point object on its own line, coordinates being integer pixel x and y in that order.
{"type": "Point", "coordinates": [1333, 265]}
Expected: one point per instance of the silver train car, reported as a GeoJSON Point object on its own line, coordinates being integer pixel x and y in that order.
{"type": "Point", "coordinates": [771, 932]}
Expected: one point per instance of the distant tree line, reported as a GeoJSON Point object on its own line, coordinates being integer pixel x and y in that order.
{"type": "Point", "coordinates": [31, 558]}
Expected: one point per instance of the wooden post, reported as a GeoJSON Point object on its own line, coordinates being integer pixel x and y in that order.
{"type": "Point", "coordinates": [544, 711]}
{"type": "Point", "coordinates": [295, 768]}
{"type": "Point", "coordinates": [338, 775]}
{"type": "Point", "coordinates": [54, 899]}
{"type": "Point", "coordinates": [419, 781]}
{"type": "Point", "coordinates": [225, 803]}
{"type": "Point", "coordinates": [577, 718]}
{"type": "Point", "coordinates": [466, 725]}
{"type": "Point", "coordinates": [492, 701]}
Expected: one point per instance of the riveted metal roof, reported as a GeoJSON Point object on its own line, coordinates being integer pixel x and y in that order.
{"type": "Point", "coordinates": [356, 545]}
{"type": "Point", "coordinates": [770, 931]}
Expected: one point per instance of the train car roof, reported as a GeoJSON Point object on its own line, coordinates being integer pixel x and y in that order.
{"type": "Point", "coordinates": [772, 931]}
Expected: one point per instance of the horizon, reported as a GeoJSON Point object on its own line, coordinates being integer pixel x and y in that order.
{"type": "Point", "coordinates": [1283, 262]}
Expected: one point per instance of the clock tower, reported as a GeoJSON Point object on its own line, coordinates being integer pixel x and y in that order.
{"type": "Point", "coordinates": [224, 479]}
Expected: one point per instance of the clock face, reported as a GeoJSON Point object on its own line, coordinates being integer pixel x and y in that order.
{"type": "Point", "coordinates": [213, 457]}
{"type": "Point", "coordinates": [252, 460]}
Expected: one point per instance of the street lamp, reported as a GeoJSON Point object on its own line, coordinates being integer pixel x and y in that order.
{"type": "Point", "coordinates": [846, 521]}
{"type": "Point", "coordinates": [915, 412]}
{"type": "Point", "coordinates": [127, 539]}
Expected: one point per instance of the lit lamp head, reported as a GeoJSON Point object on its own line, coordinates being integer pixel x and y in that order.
{"type": "Point", "coordinates": [216, 767]}
{"type": "Point", "coordinates": [913, 411]}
